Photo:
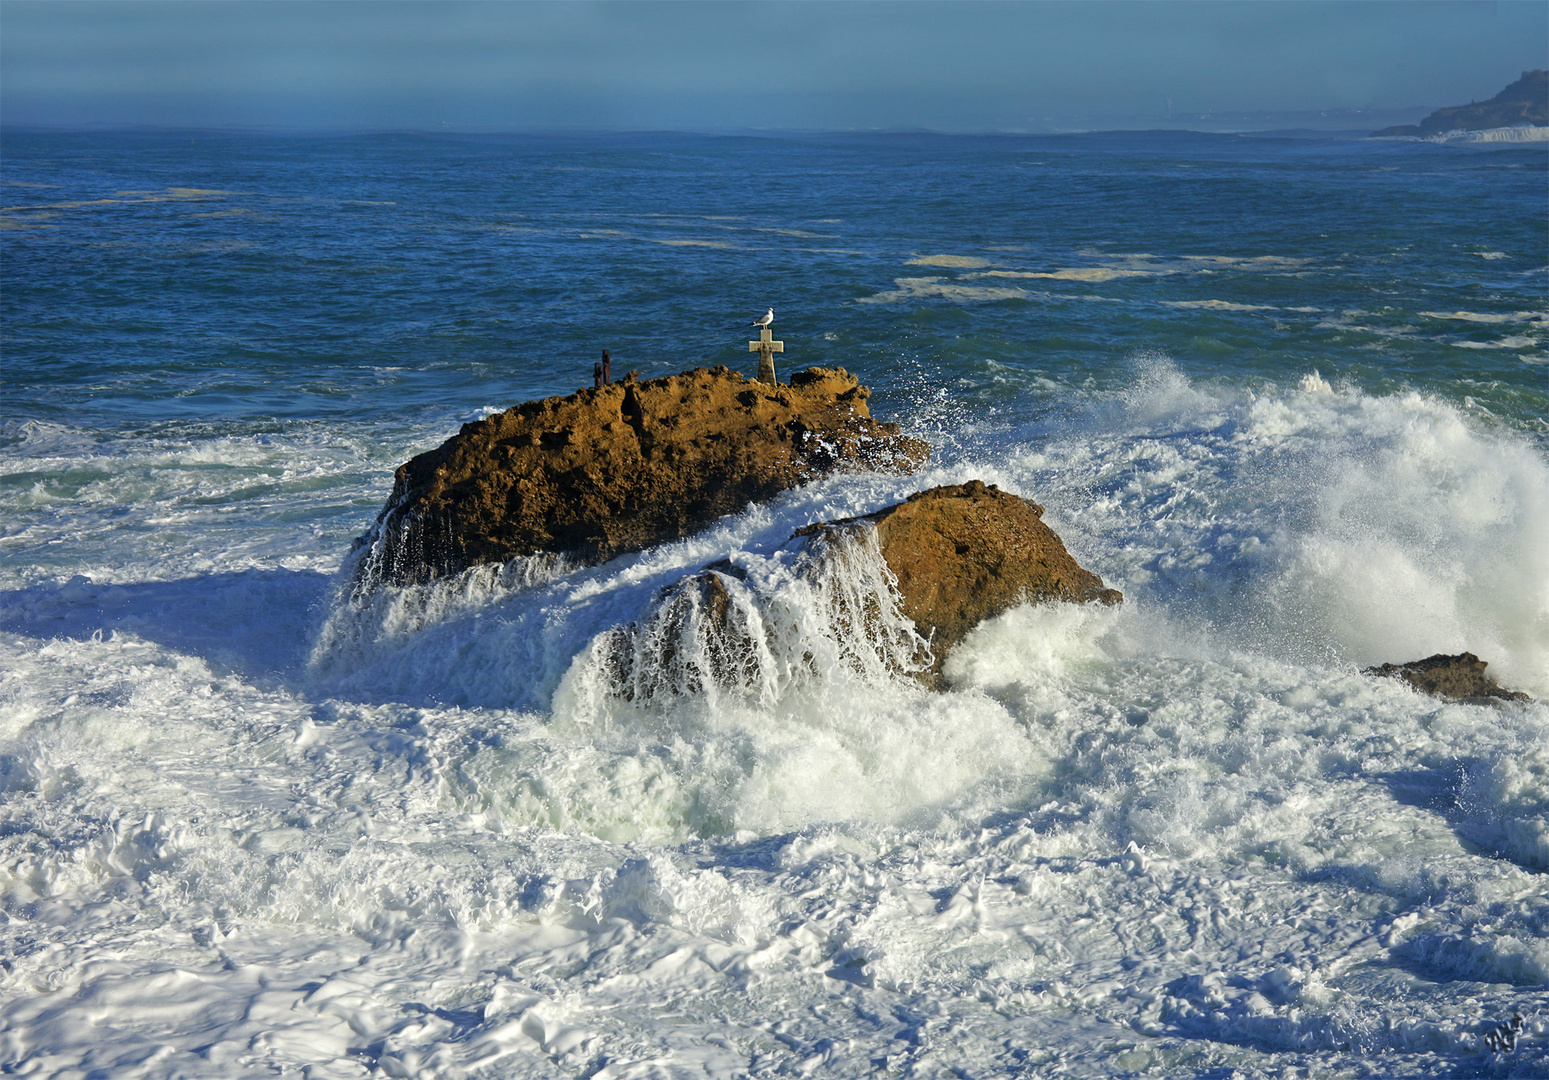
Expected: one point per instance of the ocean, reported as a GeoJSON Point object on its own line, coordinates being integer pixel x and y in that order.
{"type": "Point", "coordinates": [1289, 393]}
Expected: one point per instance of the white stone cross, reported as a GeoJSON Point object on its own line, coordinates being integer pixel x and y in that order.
{"type": "Point", "coordinates": [766, 347]}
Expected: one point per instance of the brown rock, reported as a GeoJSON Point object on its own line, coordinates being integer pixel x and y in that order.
{"type": "Point", "coordinates": [621, 467]}
{"type": "Point", "coordinates": [1457, 678]}
{"type": "Point", "coordinates": [966, 552]}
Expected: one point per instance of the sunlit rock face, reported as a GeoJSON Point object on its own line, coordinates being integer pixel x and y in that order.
{"type": "Point", "coordinates": [621, 467]}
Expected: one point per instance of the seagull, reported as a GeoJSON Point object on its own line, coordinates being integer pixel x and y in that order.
{"type": "Point", "coordinates": [764, 320]}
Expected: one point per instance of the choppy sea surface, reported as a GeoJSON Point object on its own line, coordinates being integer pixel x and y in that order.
{"type": "Point", "coordinates": [1288, 393]}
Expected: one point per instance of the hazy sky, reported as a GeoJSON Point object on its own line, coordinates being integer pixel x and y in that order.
{"type": "Point", "coordinates": [722, 65]}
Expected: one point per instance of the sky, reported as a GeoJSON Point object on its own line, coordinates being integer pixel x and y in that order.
{"type": "Point", "coordinates": [713, 66]}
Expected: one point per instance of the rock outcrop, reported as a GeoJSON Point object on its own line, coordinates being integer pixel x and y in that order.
{"type": "Point", "coordinates": [1456, 678]}
{"type": "Point", "coordinates": [958, 555]}
{"type": "Point", "coordinates": [1523, 103]}
{"type": "Point", "coordinates": [621, 467]}
{"type": "Point", "coordinates": [966, 552]}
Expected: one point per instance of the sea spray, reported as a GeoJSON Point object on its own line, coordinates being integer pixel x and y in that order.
{"type": "Point", "coordinates": [1320, 523]}
{"type": "Point", "coordinates": [369, 619]}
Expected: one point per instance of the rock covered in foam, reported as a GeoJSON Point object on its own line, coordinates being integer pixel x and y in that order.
{"type": "Point", "coordinates": [618, 468]}
{"type": "Point", "coordinates": [1457, 678]}
{"type": "Point", "coordinates": [965, 552]}
{"type": "Point", "coordinates": [896, 591]}
{"type": "Point", "coordinates": [695, 638]}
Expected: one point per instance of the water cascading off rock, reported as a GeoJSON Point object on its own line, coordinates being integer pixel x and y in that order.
{"type": "Point", "coordinates": [939, 564]}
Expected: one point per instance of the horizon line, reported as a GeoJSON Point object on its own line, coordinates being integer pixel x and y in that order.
{"type": "Point", "coordinates": [106, 127]}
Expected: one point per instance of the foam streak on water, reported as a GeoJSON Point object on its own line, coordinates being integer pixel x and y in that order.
{"type": "Point", "coordinates": [544, 820]}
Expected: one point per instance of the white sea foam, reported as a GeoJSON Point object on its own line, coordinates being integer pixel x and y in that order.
{"type": "Point", "coordinates": [1329, 524]}
{"type": "Point", "coordinates": [1216, 305]}
{"type": "Point", "coordinates": [96, 499]}
{"type": "Point", "coordinates": [1082, 273]}
{"type": "Point", "coordinates": [1489, 317]}
{"type": "Point", "coordinates": [962, 262]}
{"type": "Point", "coordinates": [1515, 341]}
{"type": "Point", "coordinates": [1180, 836]}
{"type": "Point", "coordinates": [1109, 267]}
{"type": "Point", "coordinates": [1525, 133]}
{"type": "Point", "coordinates": [916, 288]}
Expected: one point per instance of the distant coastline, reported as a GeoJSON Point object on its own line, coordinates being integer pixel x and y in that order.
{"type": "Point", "coordinates": [1521, 107]}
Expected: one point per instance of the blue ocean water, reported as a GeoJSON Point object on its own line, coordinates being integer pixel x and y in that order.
{"type": "Point", "coordinates": [1291, 394]}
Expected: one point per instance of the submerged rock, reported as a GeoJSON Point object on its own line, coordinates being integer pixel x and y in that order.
{"type": "Point", "coordinates": [621, 467]}
{"type": "Point", "coordinates": [966, 552]}
{"type": "Point", "coordinates": [1456, 678]}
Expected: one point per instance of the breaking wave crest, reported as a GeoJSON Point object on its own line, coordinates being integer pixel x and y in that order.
{"type": "Point", "coordinates": [1318, 523]}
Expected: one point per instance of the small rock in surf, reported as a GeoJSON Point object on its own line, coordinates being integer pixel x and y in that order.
{"type": "Point", "coordinates": [1456, 678]}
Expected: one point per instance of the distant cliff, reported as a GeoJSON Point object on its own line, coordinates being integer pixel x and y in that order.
{"type": "Point", "coordinates": [1525, 102]}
